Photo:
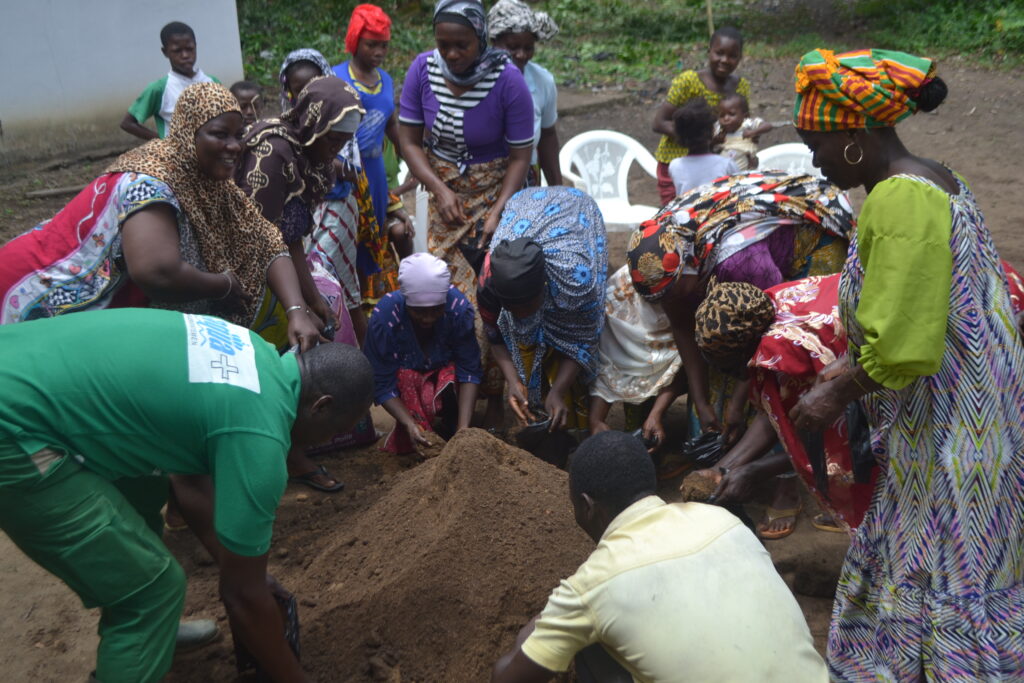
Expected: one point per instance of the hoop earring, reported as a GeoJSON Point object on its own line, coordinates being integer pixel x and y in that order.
{"type": "Point", "coordinates": [846, 154]}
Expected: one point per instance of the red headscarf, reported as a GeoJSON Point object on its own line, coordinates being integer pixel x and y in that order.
{"type": "Point", "coordinates": [368, 21]}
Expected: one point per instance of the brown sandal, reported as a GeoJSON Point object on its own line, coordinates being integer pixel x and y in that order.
{"type": "Point", "coordinates": [772, 514]}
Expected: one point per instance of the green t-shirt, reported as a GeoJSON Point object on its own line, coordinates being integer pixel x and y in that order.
{"type": "Point", "coordinates": [158, 100]}
{"type": "Point", "coordinates": [133, 392]}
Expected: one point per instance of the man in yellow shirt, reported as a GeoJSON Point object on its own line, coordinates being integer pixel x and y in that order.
{"type": "Point", "coordinates": [673, 592]}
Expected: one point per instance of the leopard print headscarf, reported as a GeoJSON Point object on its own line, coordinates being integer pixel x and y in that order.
{"type": "Point", "coordinates": [231, 233]}
{"type": "Point", "coordinates": [730, 323]}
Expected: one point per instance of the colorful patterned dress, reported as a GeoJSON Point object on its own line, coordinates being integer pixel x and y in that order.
{"type": "Point", "coordinates": [761, 227]}
{"type": "Point", "coordinates": [805, 337]}
{"type": "Point", "coordinates": [931, 587]}
{"type": "Point", "coordinates": [568, 226]}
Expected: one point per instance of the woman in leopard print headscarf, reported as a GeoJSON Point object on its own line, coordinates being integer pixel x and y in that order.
{"type": "Point", "coordinates": [164, 225]}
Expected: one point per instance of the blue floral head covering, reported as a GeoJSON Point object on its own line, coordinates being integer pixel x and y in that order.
{"type": "Point", "coordinates": [569, 228]}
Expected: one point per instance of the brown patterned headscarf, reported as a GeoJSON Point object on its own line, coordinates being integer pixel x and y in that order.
{"type": "Point", "coordinates": [231, 232]}
{"type": "Point", "coordinates": [730, 323]}
{"type": "Point", "coordinates": [275, 167]}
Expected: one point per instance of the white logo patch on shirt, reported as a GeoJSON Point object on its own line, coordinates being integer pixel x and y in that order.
{"type": "Point", "coordinates": [220, 353]}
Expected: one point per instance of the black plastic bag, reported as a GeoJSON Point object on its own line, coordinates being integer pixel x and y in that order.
{"type": "Point", "coordinates": [473, 252]}
{"type": "Point", "coordinates": [648, 443]}
{"type": "Point", "coordinates": [551, 447]}
{"type": "Point", "coordinates": [859, 436]}
{"type": "Point", "coordinates": [704, 450]}
{"type": "Point", "coordinates": [860, 442]}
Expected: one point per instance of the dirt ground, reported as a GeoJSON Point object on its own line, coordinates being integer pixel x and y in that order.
{"type": "Point", "coordinates": [48, 636]}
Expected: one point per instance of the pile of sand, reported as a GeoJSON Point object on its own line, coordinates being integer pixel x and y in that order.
{"type": "Point", "coordinates": [432, 580]}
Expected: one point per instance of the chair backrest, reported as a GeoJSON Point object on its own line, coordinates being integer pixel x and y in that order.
{"type": "Point", "coordinates": [791, 157]}
{"type": "Point", "coordinates": [602, 159]}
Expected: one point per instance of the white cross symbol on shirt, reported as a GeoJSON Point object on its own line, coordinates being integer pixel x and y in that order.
{"type": "Point", "coordinates": [225, 367]}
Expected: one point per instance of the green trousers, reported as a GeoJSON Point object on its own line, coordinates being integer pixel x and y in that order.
{"type": "Point", "coordinates": [81, 528]}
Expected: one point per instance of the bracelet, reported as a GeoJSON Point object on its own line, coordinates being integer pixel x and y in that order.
{"type": "Point", "coordinates": [226, 274]}
{"type": "Point", "coordinates": [293, 308]}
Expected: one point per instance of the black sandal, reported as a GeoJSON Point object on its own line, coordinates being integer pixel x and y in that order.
{"type": "Point", "coordinates": [309, 479]}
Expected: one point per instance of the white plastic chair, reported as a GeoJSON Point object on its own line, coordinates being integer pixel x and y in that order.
{"type": "Point", "coordinates": [419, 215]}
{"type": "Point", "coordinates": [601, 160]}
{"type": "Point", "coordinates": [792, 157]}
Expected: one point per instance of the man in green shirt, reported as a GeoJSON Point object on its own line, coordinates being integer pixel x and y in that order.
{"type": "Point", "coordinates": [119, 395]}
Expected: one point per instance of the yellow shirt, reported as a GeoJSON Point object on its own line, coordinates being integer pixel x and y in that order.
{"type": "Point", "coordinates": [680, 592]}
{"type": "Point", "coordinates": [685, 87]}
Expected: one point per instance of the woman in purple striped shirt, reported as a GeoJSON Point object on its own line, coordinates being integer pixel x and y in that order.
{"type": "Point", "coordinates": [466, 131]}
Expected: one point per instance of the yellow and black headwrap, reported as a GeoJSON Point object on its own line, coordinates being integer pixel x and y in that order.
{"type": "Point", "coordinates": [730, 322]}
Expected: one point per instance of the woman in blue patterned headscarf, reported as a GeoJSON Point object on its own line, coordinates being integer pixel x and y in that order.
{"type": "Point", "coordinates": [541, 298]}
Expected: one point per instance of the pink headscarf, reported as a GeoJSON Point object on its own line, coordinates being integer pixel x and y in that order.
{"type": "Point", "coordinates": [424, 280]}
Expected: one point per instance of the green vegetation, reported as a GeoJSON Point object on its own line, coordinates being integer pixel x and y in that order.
{"type": "Point", "coordinates": [627, 42]}
{"type": "Point", "coordinates": [270, 29]}
{"type": "Point", "coordinates": [992, 30]}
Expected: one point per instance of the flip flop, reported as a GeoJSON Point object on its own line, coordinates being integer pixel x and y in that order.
{"type": "Point", "coordinates": [818, 522]}
{"type": "Point", "coordinates": [673, 468]}
{"type": "Point", "coordinates": [772, 514]}
{"type": "Point", "coordinates": [173, 527]}
{"type": "Point", "coordinates": [309, 479]}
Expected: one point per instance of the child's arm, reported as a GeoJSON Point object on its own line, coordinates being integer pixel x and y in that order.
{"type": "Point", "coordinates": [717, 138]}
{"type": "Point", "coordinates": [758, 130]}
{"type": "Point", "coordinates": [146, 105]}
{"type": "Point", "coordinates": [663, 120]}
{"type": "Point", "coordinates": [130, 125]}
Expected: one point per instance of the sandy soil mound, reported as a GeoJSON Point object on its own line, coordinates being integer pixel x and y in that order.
{"type": "Point", "coordinates": [428, 580]}
{"type": "Point", "coordinates": [433, 581]}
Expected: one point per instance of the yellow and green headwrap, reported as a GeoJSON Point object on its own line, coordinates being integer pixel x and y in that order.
{"type": "Point", "coordinates": [861, 89]}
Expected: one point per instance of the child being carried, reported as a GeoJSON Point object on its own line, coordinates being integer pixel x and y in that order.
{"type": "Point", "coordinates": [736, 132]}
{"type": "Point", "coordinates": [694, 123]}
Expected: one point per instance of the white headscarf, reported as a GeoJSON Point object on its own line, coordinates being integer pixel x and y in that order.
{"type": "Point", "coordinates": [515, 16]}
{"type": "Point", "coordinates": [424, 280]}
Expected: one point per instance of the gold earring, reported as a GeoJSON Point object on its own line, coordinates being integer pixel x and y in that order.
{"type": "Point", "coordinates": [846, 154]}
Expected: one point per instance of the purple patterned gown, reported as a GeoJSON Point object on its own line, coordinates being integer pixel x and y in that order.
{"type": "Point", "coordinates": [931, 586]}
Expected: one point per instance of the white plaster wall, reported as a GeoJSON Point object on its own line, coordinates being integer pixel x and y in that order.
{"type": "Point", "coordinates": [69, 69]}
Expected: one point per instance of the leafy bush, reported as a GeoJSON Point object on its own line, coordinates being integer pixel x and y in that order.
{"type": "Point", "coordinates": [623, 42]}
{"type": "Point", "coordinates": [270, 29]}
{"type": "Point", "coordinates": [983, 28]}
